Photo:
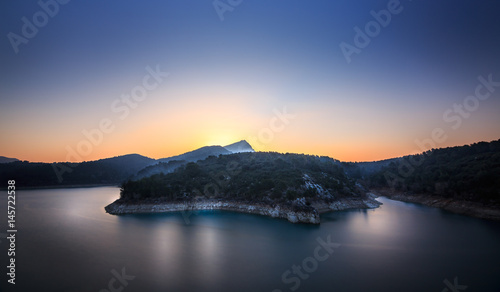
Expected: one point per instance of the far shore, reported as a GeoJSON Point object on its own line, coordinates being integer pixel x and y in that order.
{"type": "Point", "coordinates": [468, 208]}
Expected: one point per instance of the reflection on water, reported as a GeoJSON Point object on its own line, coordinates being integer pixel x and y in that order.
{"type": "Point", "coordinates": [397, 247]}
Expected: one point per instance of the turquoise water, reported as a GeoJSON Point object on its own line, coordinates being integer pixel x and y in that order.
{"type": "Point", "coordinates": [66, 242]}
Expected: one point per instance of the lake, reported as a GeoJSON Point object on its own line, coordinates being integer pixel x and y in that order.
{"type": "Point", "coordinates": [66, 242]}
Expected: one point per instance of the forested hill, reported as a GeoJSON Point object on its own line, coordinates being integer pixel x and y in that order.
{"type": "Point", "coordinates": [262, 177]}
{"type": "Point", "coordinates": [470, 173]}
{"type": "Point", "coordinates": [295, 187]}
{"type": "Point", "coordinates": [105, 171]}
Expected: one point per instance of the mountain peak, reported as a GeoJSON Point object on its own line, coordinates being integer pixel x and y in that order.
{"type": "Point", "coordinates": [198, 154]}
{"type": "Point", "coordinates": [241, 146]}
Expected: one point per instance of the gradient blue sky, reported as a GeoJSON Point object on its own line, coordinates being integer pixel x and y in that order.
{"type": "Point", "coordinates": [227, 77]}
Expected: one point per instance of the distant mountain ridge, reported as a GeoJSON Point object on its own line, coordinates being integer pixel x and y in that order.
{"type": "Point", "coordinates": [168, 165]}
{"type": "Point", "coordinates": [4, 159]}
{"type": "Point", "coordinates": [109, 171]}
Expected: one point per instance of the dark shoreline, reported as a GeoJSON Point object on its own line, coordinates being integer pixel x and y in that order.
{"type": "Point", "coordinates": [467, 208]}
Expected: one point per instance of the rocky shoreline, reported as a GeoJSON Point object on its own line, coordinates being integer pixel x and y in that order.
{"type": "Point", "coordinates": [473, 209]}
{"type": "Point", "coordinates": [309, 214]}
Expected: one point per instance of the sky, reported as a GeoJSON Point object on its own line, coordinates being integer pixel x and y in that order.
{"type": "Point", "coordinates": [353, 80]}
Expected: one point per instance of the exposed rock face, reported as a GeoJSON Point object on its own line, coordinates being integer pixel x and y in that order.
{"type": "Point", "coordinates": [308, 215]}
{"type": "Point", "coordinates": [346, 204]}
{"type": "Point", "coordinates": [198, 154]}
{"type": "Point", "coordinates": [118, 208]}
{"type": "Point", "coordinates": [238, 147]}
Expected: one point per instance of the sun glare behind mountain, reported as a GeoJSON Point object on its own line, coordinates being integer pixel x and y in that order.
{"type": "Point", "coordinates": [221, 138]}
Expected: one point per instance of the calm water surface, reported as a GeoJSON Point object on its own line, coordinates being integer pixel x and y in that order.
{"type": "Point", "coordinates": [66, 242]}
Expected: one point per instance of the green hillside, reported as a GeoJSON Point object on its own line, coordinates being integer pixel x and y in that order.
{"type": "Point", "coordinates": [259, 177]}
{"type": "Point", "coordinates": [470, 173]}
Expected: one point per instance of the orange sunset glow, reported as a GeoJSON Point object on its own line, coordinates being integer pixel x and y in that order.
{"type": "Point", "coordinates": [162, 99]}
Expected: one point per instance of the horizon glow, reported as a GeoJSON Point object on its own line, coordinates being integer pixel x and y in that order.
{"type": "Point", "coordinates": [228, 78]}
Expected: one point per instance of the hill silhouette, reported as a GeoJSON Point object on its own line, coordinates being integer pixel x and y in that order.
{"type": "Point", "coordinates": [108, 171]}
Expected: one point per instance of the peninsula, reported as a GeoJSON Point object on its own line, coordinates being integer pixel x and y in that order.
{"type": "Point", "coordinates": [291, 186]}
